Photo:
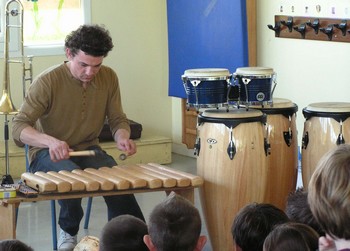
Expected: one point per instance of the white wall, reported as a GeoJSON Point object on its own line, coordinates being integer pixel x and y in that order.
{"type": "Point", "coordinates": [139, 32]}
{"type": "Point", "coordinates": [307, 71]}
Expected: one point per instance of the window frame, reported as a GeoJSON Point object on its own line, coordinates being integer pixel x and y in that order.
{"type": "Point", "coordinates": [36, 50]}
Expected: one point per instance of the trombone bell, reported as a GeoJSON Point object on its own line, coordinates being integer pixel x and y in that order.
{"type": "Point", "coordinates": [6, 104]}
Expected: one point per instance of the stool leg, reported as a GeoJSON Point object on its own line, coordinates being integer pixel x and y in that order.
{"type": "Point", "coordinates": [87, 214]}
{"type": "Point", "coordinates": [53, 224]}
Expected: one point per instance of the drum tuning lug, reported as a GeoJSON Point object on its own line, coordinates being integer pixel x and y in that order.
{"type": "Point", "coordinates": [305, 140]}
{"type": "Point", "coordinates": [342, 26]}
{"type": "Point", "coordinates": [267, 147]}
{"type": "Point", "coordinates": [231, 150]}
{"type": "Point", "coordinates": [315, 25]}
{"type": "Point", "coordinates": [340, 139]}
{"type": "Point", "coordinates": [328, 31]}
{"type": "Point", "coordinates": [301, 29]}
{"type": "Point", "coordinates": [288, 137]}
{"type": "Point", "coordinates": [276, 28]}
{"type": "Point", "coordinates": [288, 23]}
{"type": "Point", "coordinates": [197, 147]}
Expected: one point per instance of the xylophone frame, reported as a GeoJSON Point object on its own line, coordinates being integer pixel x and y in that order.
{"type": "Point", "coordinates": [8, 206]}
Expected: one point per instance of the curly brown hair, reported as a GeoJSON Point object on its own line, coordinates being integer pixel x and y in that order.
{"type": "Point", "coordinates": [94, 40]}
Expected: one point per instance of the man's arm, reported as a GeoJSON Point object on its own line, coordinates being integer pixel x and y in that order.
{"type": "Point", "coordinates": [58, 149]}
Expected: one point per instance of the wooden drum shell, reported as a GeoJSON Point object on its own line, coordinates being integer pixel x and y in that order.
{"type": "Point", "coordinates": [283, 158]}
{"type": "Point", "coordinates": [323, 124]}
{"type": "Point", "coordinates": [229, 184]}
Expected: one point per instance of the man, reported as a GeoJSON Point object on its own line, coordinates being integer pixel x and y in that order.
{"type": "Point", "coordinates": [174, 225]}
{"type": "Point", "coordinates": [64, 110]}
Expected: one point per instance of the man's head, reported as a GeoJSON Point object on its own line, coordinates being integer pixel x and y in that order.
{"type": "Point", "coordinates": [93, 40]}
{"type": "Point", "coordinates": [175, 224]}
{"type": "Point", "coordinates": [86, 48]}
{"type": "Point", "coordinates": [253, 223]}
{"type": "Point", "coordinates": [124, 233]}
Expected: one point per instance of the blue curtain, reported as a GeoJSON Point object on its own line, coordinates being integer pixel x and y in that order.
{"type": "Point", "coordinates": [205, 34]}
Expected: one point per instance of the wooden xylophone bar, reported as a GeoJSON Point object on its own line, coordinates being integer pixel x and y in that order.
{"type": "Point", "coordinates": [151, 175]}
{"type": "Point", "coordinates": [128, 179]}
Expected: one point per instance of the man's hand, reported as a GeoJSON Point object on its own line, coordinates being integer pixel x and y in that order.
{"type": "Point", "coordinates": [59, 150]}
{"type": "Point", "coordinates": [124, 143]}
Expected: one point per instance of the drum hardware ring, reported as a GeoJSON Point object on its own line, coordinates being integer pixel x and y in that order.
{"type": "Point", "coordinates": [305, 140]}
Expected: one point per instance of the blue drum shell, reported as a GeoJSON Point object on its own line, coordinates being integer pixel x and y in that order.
{"type": "Point", "coordinates": [208, 92]}
{"type": "Point", "coordinates": [259, 89]}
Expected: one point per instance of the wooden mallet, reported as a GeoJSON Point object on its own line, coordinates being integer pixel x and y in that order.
{"type": "Point", "coordinates": [95, 152]}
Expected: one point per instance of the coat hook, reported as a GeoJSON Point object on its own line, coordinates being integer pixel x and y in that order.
{"type": "Point", "coordinates": [277, 28]}
{"type": "Point", "coordinates": [314, 25]}
{"type": "Point", "coordinates": [328, 31]}
{"type": "Point", "coordinates": [342, 26]}
{"type": "Point", "coordinates": [301, 29]}
{"type": "Point", "coordinates": [289, 23]}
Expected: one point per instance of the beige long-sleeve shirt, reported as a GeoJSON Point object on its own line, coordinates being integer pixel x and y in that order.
{"type": "Point", "coordinates": [56, 104]}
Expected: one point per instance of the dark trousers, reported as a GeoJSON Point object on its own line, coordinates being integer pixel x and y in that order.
{"type": "Point", "coordinates": [71, 211]}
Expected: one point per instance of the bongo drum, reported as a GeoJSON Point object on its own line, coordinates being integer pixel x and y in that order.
{"type": "Point", "coordinates": [206, 87]}
{"type": "Point", "coordinates": [255, 84]}
{"type": "Point", "coordinates": [232, 162]}
{"type": "Point", "coordinates": [283, 157]}
{"type": "Point", "coordinates": [326, 126]}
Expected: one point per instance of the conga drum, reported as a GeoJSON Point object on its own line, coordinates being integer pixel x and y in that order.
{"type": "Point", "coordinates": [283, 157]}
{"type": "Point", "coordinates": [326, 126]}
{"type": "Point", "coordinates": [232, 161]}
{"type": "Point", "coordinates": [207, 87]}
{"type": "Point", "coordinates": [256, 84]}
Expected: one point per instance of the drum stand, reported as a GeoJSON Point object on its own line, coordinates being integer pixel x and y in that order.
{"type": "Point", "coordinates": [6, 179]}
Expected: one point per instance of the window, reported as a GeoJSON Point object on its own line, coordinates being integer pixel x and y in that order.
{"type": "Point", "coordinates": [45, 24]}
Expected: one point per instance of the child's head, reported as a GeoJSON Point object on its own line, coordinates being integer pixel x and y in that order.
{"type": "Point", "coordinates": [329, 192]}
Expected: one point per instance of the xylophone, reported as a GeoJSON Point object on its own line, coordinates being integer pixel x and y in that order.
{"type": "Point", "coordinates": [123, 177]}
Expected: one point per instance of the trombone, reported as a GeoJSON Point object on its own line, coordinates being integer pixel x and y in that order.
{"type": "Point", "coordinates": [13, 8]}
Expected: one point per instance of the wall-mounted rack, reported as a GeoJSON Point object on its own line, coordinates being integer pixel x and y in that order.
{"type": "Point", "coordinates": [314, 28]}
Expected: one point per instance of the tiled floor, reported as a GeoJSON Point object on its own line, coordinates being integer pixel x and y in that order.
{"type": "Point", "coordinates": [34, 219]}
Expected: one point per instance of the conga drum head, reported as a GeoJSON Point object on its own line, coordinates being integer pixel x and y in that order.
{"type": "Point", "coordinates": [278, 106]}
{"type": "Point", "coordinates": [231, 114]}
{"type": "Point", "coordinates": [336, 110]}
{"type": "Point", "coordinates": [326, 126]}
{"type": "Point", "coordinates": [206, 87]}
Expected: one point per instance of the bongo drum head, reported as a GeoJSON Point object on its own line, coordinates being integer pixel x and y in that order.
{"type": "Point", "coordinates": [254, 71]}
{"type": "Point", "coordinates": [206, 73]}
